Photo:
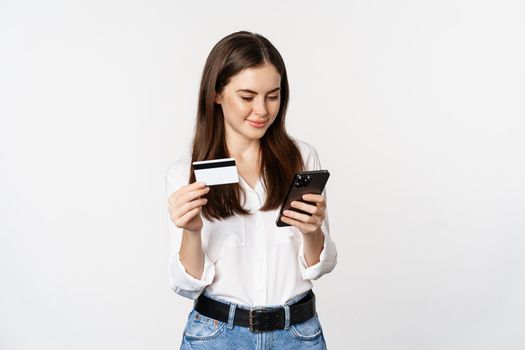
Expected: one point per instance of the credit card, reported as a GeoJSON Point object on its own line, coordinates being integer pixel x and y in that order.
{"type": "Point", "coordinates": [216, 171]}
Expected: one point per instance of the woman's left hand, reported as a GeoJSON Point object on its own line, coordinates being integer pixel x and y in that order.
{"type": "Point", "coordinates": [307, 224]}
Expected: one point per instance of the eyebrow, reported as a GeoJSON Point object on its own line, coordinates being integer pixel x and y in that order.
{"type": "Point", "coordinates": [253, 92]}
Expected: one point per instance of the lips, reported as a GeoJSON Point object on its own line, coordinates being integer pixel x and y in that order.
{"type": "Point", "coordinates": [257, 123]}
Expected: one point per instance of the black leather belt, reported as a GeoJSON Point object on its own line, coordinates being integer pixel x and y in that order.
{"type": "Point", "coordinates": [258, 319]}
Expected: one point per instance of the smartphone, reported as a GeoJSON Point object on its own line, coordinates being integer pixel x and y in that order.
{"type": "Point", "coordinates": [303, 183]}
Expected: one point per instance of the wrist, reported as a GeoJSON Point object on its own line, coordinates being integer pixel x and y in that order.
{"type": "Point", "coordinates": [191, 236]}
{"type": "Point", "coordinates": [192, 232]}
{"type": "Point", "coordinates": [313, 234]}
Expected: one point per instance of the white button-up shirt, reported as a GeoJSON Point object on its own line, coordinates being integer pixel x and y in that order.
{"type": "Point", "coordinates": [248, 260]}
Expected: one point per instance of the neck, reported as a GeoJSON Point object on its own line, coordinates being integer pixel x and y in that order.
{"type": "Point", "coordinates": [242, 148]}
{"type": "Point", "coordinates": [244, 151]}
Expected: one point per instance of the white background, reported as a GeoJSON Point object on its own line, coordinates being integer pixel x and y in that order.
{"type": "Point", "coordinates": [415, 107]}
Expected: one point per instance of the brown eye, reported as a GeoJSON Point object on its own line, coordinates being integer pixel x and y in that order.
{"type": "Point", "coordinates": [247, 98]}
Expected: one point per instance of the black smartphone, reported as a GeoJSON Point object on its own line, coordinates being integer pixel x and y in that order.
{"type": "Point", "coordinates": [303, 183]}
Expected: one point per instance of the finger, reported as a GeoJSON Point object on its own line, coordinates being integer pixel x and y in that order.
{"type": "Point", "coordinates": [198, 184]}
{"type": "Point", "coordinates": [304, 227]}
{"type": "Point", "coordinates": [311, 219]}
{"type": "Point", "coordinates": [187, 188]}
{"type": "Point", "coordinates": [190, 196]}
{"type": "Point", "coordinates": [316, 198]}
{"type": "Point", "coordinates": [192, 187]}
{"type": "Point", "coordinates": [183, 220]}
{"type": "Point", "coordinates": [309, 208]}
{"type": "Point", "coordinates": [185, 208]}
{"type": "Point", "coordinates": [181, 199]}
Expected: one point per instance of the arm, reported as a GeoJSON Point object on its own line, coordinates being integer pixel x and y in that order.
{"type": "Point", "coordinates": [190, 269]}
{"type": "Point", "coordinates": [191, 254]}
{"type": "Point", "coordinates": [312, 247]}
{"type": "Point", "coordinates": [317, 252]}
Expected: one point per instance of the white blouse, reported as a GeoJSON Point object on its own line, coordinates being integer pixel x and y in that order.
{"type": "Point", "coordinates": [248, 260]}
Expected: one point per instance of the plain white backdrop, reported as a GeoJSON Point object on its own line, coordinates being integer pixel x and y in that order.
{"type": "Point", "coordinates": [415, 107]}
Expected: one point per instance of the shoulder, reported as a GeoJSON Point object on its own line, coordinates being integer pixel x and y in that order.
{"type": "Point", "coordinates": [178, 172]}
{"type": "Point", "coordinates": [308, 152]}
{"type": "Point", "coordinates": [305, 147]}
{"type": "Point", "coordinates": [179, 164]}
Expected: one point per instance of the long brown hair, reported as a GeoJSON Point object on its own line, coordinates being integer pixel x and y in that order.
{"type": "Point", "coordinates": [280, 156]}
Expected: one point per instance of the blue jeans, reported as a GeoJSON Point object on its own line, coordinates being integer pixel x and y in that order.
{"type": "Point", "coordinates": [203, 333]}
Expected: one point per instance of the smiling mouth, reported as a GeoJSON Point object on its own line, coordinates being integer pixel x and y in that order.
{"type": "Point", "coordinates": [257, 124]}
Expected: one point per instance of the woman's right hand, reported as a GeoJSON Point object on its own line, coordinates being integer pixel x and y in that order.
{"type": "Point", "coordinates": [185, 206]}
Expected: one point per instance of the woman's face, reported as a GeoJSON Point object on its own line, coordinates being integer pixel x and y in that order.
{"type": "Point", "coordinates": [250, 102]}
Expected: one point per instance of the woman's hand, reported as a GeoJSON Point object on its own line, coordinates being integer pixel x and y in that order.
{"type": "Point", "coordinates": [305, 223]}
{"type": "Point", "coordinates": [185, 206]}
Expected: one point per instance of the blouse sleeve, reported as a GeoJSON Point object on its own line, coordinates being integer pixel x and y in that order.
{"type": "Point", "coordinates": [328, 257]}
{"type": "Point", "coordinates": [180, 281]}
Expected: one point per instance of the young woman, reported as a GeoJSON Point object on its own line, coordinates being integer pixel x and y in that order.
{"type": "Point", "coordinates": [251, 280]}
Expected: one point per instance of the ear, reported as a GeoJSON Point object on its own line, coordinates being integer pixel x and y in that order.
{"type": "Point", "coordinates": [217, 99]}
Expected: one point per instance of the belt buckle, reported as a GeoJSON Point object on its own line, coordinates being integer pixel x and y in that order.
{"type": "Point", "coordinates": [263, 325]}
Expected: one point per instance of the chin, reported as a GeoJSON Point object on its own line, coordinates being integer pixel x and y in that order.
{"type": "Point", "coordinates": [254, 135]}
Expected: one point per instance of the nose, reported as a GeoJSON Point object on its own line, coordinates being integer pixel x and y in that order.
{"type": "Point", "coordinates": [260, 107]}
